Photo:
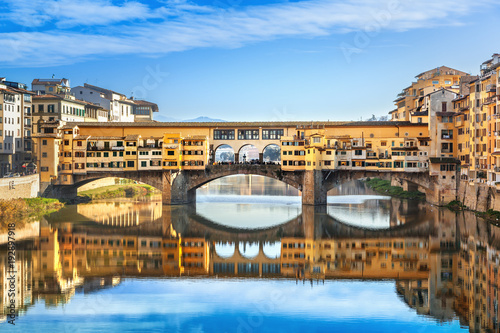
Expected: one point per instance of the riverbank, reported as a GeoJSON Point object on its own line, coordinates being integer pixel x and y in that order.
{"type": "Point", "coordinates": [23, 210]}
{"type": "Point", "coordinates": [492, 216]}
{"type": "Point", "coordinates": [117, 191]}
{"type": "Point", "coordinates": [384, 187]}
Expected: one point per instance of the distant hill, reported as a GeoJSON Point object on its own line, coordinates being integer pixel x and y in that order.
{"type": "Point", "coordinates": [195, 120]}
{"type": "Point", "coordinates": [203, 119]}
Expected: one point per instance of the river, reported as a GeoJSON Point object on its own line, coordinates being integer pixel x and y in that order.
{"type": "Point", "coordinates": [248, 257]}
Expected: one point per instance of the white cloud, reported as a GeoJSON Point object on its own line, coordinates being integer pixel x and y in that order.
{"type": "Point", "coordinates": [68, 13]}
{"type": "Point", "coordinates": [135, 28]}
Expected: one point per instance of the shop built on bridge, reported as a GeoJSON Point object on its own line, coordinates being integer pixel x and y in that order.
{"type": "Point", "coordinates": [178, 158]}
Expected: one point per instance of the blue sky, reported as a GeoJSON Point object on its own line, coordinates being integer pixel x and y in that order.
{"type": "Point", "coordinates": [247, 60]}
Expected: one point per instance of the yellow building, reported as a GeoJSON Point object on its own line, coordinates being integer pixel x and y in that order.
{"type": "Point", "coordinates": [409, 101]}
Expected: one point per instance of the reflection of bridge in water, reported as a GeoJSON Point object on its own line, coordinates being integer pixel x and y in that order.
{"type": "Point", "coordinates": [168, 237]}
{"type": "Point", "coordinates": [429, 260]}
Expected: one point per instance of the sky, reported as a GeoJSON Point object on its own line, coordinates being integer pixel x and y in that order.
{"type": "Point", "coordinates": [243, 60]}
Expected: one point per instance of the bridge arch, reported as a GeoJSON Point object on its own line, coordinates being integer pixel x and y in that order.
{"type": "Point", "coordinates": [249, 250]}
{"type": "Point", "coordinates": [271, 153]}
{"type": "Point", "coordinates": [408, 180]}
{"type": "Point", "coordinates": [248, 153]}
{"type": "Point", "coordinates": [218, 171]}
{"type": "Point", "coordinates": [225, 250]}
{"type": "Point", "coordinates": [272, 250]}
{"type": "Point", "coordinates": [224, 153]}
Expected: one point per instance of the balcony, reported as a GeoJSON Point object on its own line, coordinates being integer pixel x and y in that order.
{"type": "Point", "coordinates": [490, 100]}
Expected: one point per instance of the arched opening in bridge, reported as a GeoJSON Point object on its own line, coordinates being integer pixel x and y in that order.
{"type": "Point", "coordinates": [224, 154]}
{"type": "Point", "coordinates": [224, 250]}
{"type": "Point", "coordinates": [246, 185]}
{"type": "Point", "coordinates": [354, 202]}
{"type": "Point", "coordinates": [249, 154]}
{"type": "Point", "coordinates": [249, 250]}
{"type": "Point", "coordinates": [116, 187]}
{"type": "Point", "coordinates": [271, 154]}
{"type": "Point", "coordinates": [272, 250]}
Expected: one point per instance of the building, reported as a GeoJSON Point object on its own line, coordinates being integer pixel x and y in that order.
{"type": "Point", "coordinates": [51, 86]}
{"type": "Point", "coordinates": [119, 106]}
{"type": "Point", "coordinates": [408, 102]}
{"type": "Point", "coordinates": [143, 110]}
{"type": "Point", "coordinates": [15, 127]}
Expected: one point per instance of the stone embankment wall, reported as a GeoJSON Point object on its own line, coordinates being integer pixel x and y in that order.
{"type": "Point", "coordinates": [20, 187]}
{"type": "Point", "coordinates": [479, 197]}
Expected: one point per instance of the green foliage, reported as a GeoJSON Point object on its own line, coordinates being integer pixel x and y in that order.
{"type": "Point", "coordinates": [455, 205]}
{"type": "Point", "coordinates": [22, 210]}
{"type": "Point", "coordinates": [493, 214]}
{"type": "Point", "coordinates": [384, 187]}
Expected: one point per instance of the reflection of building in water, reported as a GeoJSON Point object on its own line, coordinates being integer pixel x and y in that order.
{"type": "Point", "coordinates": [22, 273]}
{"type": "Point", "coordinates": [122, 214]}
{"type": "Point", "coordinates": [444, 272]}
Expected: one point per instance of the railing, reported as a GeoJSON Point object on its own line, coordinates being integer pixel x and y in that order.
{"type": "Point", "coordinates": [489, 100]}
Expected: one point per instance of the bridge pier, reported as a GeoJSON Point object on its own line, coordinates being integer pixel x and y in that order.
{"type": "Point", "coordinates": [175, 189]}
{"type": "Point", "coordinates": [313, 190]}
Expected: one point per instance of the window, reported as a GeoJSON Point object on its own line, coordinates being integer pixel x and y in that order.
{"type": "Point", "coordinates": [143, 164]}
{"type": "Point", "coordinates": [130, 164]}
{"type": "Point", "coordinates": [248, 134]}
{"type": "Point", "coordinates": [435, 81]}
{"type": "Point", "coordinates": [44, 142]}
{"type": "Point", "coordinates": [45, 169]}
{"type": "Point", "coordinates": [358, 152]}
{"type": "Point", "coordinates": [443, 106]}
{"type": "Point", "coordinates": [446, 147]}
{"type": "Point", "coordinates": [44, 154]}
{"type": "Point", "coordinates": [316, 140]}
{"type": "Point", "coordinates": [50, 108]}
{"type": "Point", "coordinates": [447, 134]}
{"type": "Point", "coordinates": [272, 134]}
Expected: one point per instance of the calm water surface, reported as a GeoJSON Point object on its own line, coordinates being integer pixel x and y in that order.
{"type": "Point", "coordinates": [249, 258]}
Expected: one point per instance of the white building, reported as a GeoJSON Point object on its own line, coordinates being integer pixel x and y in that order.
{"type": "Point", "coordinates": [15, 126]}
{"type": "Point", "coordinates": [120, 108]}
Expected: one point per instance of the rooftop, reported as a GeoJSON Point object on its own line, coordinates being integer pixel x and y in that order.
{"type": "Point", "coordinates": [298, 124]}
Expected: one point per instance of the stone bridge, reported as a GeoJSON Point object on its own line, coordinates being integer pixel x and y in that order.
{"type": "Point", "coordinates": [180, 187]}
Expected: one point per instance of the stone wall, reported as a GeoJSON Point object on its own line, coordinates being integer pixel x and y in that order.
{"type": "Point", "coordinates": [479, 197]}
{"type": "Point", "coordinates": [20, 187]}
